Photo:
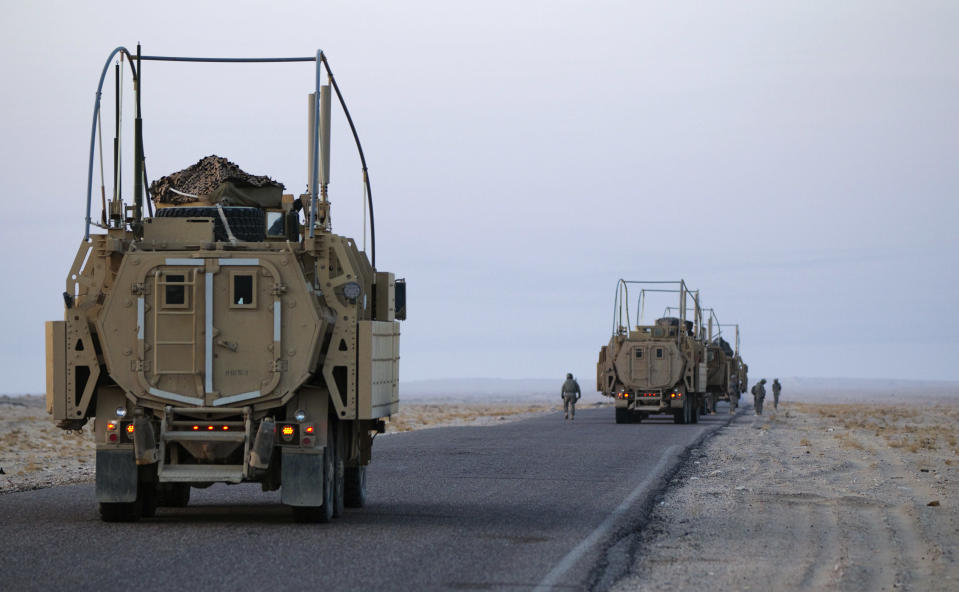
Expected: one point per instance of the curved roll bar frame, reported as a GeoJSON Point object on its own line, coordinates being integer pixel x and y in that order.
{"type": "Point", "coordinates": [321, 63]}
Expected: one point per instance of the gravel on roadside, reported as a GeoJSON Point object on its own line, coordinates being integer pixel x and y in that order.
{"type": "Point", "coordinates": [823, 497]}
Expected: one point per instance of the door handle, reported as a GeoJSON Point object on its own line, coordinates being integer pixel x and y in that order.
{"type": "Point", "coordinates": [227, 344]}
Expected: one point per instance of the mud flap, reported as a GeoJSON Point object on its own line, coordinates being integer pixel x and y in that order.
{"type": "Point", "coordinates": [302, 479]}
{"type": "Point", "coordinates": [116, 476]}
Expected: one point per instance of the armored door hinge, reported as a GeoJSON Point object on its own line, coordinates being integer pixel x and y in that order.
{"type": "Point", "coordinates": [138, 288]}
{"type": "Point", "coordinates": [279, 366]}
{"type": "Point", "coordinates": [279, 289]}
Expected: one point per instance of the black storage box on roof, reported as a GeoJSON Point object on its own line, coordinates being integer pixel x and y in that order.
{"type": "Point", "coordinates": [674, 322]}
{"type": "Point", "coordinates": [216, 180]}
{"type": "Point", "coordinates": [724, 345]}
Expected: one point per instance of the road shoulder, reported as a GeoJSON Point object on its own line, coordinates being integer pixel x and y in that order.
{"type": "Point", "coordinates": [851, 497]}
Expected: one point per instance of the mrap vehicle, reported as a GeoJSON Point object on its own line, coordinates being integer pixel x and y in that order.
{"type": "Point", "coordinates": [658, 368]}
{"type": "Point", "coordinates": [719, 362]}
{"type": "Point", "coordinates": [225, 339]}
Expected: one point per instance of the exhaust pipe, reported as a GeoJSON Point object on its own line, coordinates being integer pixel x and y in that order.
{"type": "Point", "coordinates": [323, 168]}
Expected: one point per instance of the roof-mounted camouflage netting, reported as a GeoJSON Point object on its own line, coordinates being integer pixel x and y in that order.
{"type": "Point", "coordinates": [217, 180]}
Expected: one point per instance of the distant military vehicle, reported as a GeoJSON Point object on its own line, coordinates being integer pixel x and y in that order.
{"type": "Point", "coordinates": [719, 355]}
{"type": "Point", "coordinates": [224, 340]}
{"type": "Point", "coordinates": [658, 368]}
{"type": "Point", "coordinates": [738, 370]}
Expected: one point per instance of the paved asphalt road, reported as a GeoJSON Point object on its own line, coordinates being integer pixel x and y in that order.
{"type": "Point", "coordinates": [531, 505]}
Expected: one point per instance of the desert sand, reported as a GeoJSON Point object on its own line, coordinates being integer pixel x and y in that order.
{"type": "Point", "coordinates": [856, 496]}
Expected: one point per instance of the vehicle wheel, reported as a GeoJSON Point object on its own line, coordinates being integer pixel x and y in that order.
{"type": "Point", "coordinates": [148, 500]}
{"type": "Point", "coordinates": [622, 415]}
{"type": "Point", "coordinates": [694, 416]}
{"type": "Point", "coordinates": [678, 416]}
{"type": "Point", "coordinates": [147, 490]}
{"type": "Point", "coordinates": [173, 495]}
{"type": "Point", "coordinates": [338, 470]}
{"type": "Point", "coordinates": [687, 410]}
{"type": "Point", "coordinates": [120, 512]}
{"type": "Point", "coordinates": [322, 514]}
{"type": "Point", "coordinates": [355, 487]}
{"type": "Point", "coordinates": [247, 224]}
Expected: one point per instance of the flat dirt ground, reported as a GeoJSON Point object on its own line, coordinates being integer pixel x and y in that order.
{"type": "Point", "coordinates": [857, 496]}
{"type": "Point", "coordinates": [34, 453]}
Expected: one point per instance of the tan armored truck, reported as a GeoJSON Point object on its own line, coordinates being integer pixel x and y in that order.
{"type": "Point", "coordinates": [658, 368]}
{"type": "Point", "coordinates": [225, 339]}
{"type": "Point", "coordinates": [719, 358]}
{"type": "Point", "coordinates": [735, 369]}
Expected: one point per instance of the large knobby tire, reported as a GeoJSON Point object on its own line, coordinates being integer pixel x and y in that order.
{"type": "Point", "coordinates": [354, 489]}
{"type": "Point", "coordinates": [321, 514]}
{"type": "Point", "coordinates": [173, 495]}
{"type": "Point", "coordinates": [694, 416]}
{"type": "Point", "coordinates": [338, 470]}
{"type": "Point", "coordinates": [677, 416]}
{"type": "Point", "coordinates": [120, 511]}
{"type": "Point", "coordinates": [247, 224]}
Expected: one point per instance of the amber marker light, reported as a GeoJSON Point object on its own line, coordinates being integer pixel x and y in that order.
{"type": "Point", "coordinates": [287, 430]}
{"type": "Point", "coordinates": [309, 429]}
{"type": "Point", "coordinates": [130, 428]}
{"type": "Point", "coordinates": [209, 428]}
{"type": "Point", "coordinates": [196, 428]}
{"type": "Point", "coordinates": [225, 428]}
{"type": "Point", "coordinates": [111, 426]}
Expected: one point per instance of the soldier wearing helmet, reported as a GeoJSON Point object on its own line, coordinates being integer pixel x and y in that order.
{"type": "Point", "coordinates": [759, 395]}
{"type": "Point", "coordinates": [570, 393]}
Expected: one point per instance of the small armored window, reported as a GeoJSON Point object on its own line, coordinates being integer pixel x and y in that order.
{"type": "Point", "coordinates": [174, 290]}
{"type": "Point", "coordinates": [275, 226]}
{"type": "Point", "coordinates": [639, 354]}
{"type": "Point", "coordinates": [243, 290]}
{"type": "Point", "coordinates": [659, 352]}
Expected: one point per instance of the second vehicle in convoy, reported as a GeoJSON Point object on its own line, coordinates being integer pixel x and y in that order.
{"type": "Point", "coordinates": [669, 367]}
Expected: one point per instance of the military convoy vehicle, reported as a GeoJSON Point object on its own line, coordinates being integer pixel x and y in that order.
{"type": "Point", "coordinates": [724, 366]}
{"type": "Point", "coordinates": [738, 371]}
{"type": "Point", "coordinates": [226, 339]}
{"type": "Point", "coordinates": [719, 356]}
{"type": "Point", "coordinates": [658, 368]}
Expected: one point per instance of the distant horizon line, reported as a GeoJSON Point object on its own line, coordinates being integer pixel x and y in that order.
{"type": "Point", "coordinates": [954, 381]}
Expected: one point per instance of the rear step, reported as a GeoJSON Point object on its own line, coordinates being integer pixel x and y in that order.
{"type": "Point", "coordinates": [200, 473]}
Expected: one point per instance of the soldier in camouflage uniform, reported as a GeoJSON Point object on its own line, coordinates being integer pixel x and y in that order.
{"type": "Point", "coordinates": [570, 393]}
{"type": "Point", "coordinates": [734, 395]}
{"type": "Point", "coordinates": [777, 388]}
{"type": "Point", "coordinates": [759, 395]}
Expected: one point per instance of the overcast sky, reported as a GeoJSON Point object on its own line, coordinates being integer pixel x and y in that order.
{"type": "Point", "coordinates": [795, 161]}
